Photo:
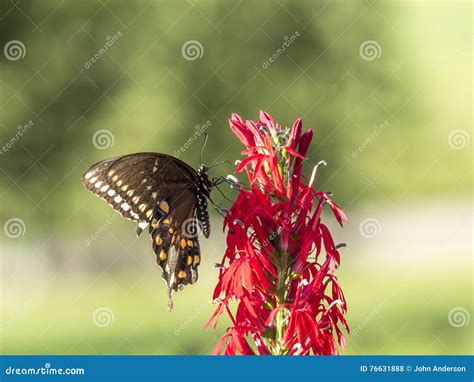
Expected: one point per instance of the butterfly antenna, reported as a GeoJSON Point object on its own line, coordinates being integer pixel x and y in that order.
{"type": "Point", "coordinates": [220, 164]}
{"type": "Point", "coordinates": [203, 146]}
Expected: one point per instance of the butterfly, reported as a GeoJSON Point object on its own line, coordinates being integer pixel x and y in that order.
{"type": "Point", "coordinates": [165, 195]}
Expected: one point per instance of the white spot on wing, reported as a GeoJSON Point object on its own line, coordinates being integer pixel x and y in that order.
{"type": "Point", "coordinates": [89, 174]}
{"type": "Point", "coordinates": [104, 188]}
{"type": "Point", "coordinates": [125, 206]}
{"type": "Point", "coordinates": [93, 179]}
{"type": "Point", "coordinates": [111, 192]}
{"type": "Point", "coordinates": [142, 225]}
{"type": "Point", "coordinates": [118, 199]}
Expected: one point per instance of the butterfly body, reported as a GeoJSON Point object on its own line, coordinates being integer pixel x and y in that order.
{"type": "Point", "coordinates": [166, 195]}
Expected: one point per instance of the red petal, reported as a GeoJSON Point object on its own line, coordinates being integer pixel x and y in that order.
{"type": "Point", "coordinates": [266, 118]}
{"type": "Point", "coordinates": [248, 160]}
{"type": "Point", "coordinates": [218, 349]}
{"type": "Point", "coordinates": [293, 152]}
{"type": "Point", "coordinates": [241, 343]}
{"type": "Point", "coordinates": [215, 316]}
{"type": "Point", "coordinates": [295, 133]}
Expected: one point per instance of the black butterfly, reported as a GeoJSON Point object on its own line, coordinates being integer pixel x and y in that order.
{"type": "Point", "coordinates": [168, 196]}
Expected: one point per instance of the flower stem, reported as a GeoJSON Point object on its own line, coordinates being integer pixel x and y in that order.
{"type": "Point", "coordinates": [280, 317]}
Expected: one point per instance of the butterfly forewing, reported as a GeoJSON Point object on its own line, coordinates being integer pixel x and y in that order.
{"type": "Point", "coordinates": [165, 193]}
{"type": "Point", "coordinates": [134, 184]}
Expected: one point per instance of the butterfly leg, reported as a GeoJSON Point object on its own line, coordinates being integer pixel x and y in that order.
{"type": "Point", "coordinates": [220, 210]}
{"type": "Point", "coordinates": [236, 184]}
{"type": "Point", "coordinates": [219, 180]}
{"type": "Point", "coordinates": [223, 195]}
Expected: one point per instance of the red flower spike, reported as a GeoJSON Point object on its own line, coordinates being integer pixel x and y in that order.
{"type": "Point", "coordinates": [280, 259]}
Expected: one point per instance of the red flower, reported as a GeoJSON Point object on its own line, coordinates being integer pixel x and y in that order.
{"type": "Point", "coordinates": [280, 259]}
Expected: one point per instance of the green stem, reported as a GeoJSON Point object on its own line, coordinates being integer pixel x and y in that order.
{"type": "Point", "coordinates": [280, 317]}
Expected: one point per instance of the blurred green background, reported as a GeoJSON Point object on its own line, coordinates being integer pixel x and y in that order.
{"type": "Point", "coordinates": [386, 87]}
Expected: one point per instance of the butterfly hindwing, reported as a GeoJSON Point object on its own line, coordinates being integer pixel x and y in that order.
{"type": "Point", "coordinates": [174, 235]}
{"type": "Point", "coordinates": [176, 254]}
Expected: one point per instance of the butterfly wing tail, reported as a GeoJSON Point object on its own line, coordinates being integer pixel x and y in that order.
{"type": "Point", "coordinates": [177, 255]}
